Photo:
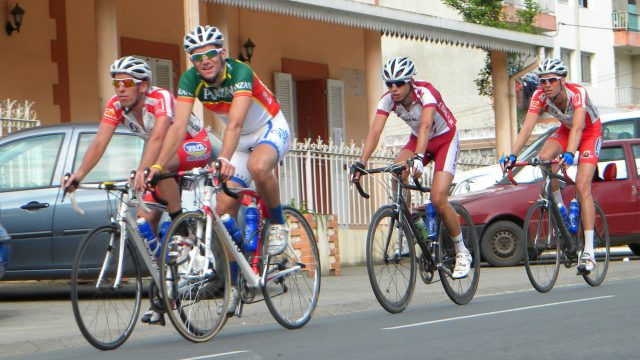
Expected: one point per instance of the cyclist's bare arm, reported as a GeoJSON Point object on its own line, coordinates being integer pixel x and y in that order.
{"type": "Point", "coordinates": [373, 136]}
{"type": "Point", "coordinates": [577, 125]}
{"type": "Point", "coordinates": [93, 155]}
{"type": "Point", "coordinates": [152, 148]}
{"type": "Point", "coordinates": [426, 123]}
{"type": "Point", "coordinates": [174, 136]}
{"type": "Point", "coordinates": [527, 128]}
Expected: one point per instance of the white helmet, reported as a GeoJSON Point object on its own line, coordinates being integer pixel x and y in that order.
{"type": "Point", "coordinates": [552, 66]}
{"type": "Point", "coordinates": [398, 68]}
{"type": "Point", "coordinates": [131, 66]}
{"type": "Point", "coordinates": [201, 36]}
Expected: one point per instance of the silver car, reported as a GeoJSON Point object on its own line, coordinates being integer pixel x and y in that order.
{"type": "Point", "coordinates": [44, 230]}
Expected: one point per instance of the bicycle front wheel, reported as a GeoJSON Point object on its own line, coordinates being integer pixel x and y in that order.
{"type": "Point", "coordinates": [600, 247]}
{"type": "Point", "coordinates": [105, 312]}
{"type": "Point", "coordinates": [195, 279]}
{"type": "Point", "coordinates": [542, 253]}
{"type": "Point", "coordinates": [391, 259]}
{"type": "Point", "coordinates": [460, 291]}
{"type": "Point", "coordinates": [293, 277]}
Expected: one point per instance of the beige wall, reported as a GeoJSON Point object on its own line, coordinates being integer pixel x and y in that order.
{"type": "Point", "coordinates": [26, 69]}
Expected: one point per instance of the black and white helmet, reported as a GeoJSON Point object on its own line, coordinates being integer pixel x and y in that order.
{"type": "Point", "coordinates": [131, 66]}
{"type": "Point", "coordinates": [201, 36]}
{"type": "Point", "coordinates": [552, 66]}
{"type": "Point", "coordinates": [398, 68]}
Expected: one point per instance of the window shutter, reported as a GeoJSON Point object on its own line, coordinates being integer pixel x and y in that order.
{"type": "Point", "coordinates": [163, 74]}
{"type": "Point", "coordinates": [284, 93]}
{"type": "Point", "coordinates": [335, 104]}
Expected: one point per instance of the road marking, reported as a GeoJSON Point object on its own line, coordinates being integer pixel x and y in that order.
{"type": "Point", "coordinates": [217, 355]}
{"type": "Point", "coordinates": [496, 312]}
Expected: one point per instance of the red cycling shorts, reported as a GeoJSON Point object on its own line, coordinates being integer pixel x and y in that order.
{"type": "Point", "coordinates": [590, 143]}
{"type": "Point", "coordinates": [443, 149]}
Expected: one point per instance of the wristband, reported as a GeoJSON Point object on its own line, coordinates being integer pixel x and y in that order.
{"type": "Point", "coordinates": [224, 158]}
{"type": "Point", "coordinates": [157, 166]}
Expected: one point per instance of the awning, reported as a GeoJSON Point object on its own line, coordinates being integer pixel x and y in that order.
{"type": "Point", "coordinates": [400, 23]}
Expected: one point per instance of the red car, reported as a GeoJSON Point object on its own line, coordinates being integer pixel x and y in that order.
{"type": "Point", "coordinates": [498, 211]}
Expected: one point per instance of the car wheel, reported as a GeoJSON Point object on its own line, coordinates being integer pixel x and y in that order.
{"type": "Point", "coordinates": [501, 243]}
{"type": "Point", "coordinates": [635, 248]}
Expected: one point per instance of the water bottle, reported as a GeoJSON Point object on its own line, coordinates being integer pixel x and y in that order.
{"type": "Point", "coordinates": [420, 226]}
{"type": "Point", "coordinates": [232, 228]}
{"type": "Point", "coordinates": [564, 213]}
{"type": "Point", "coordinates": [153, 245]}
{"type": "Point", "coordinates": [164, 228]}
{"type": "Point", "coordinates": [574, 216]}
{"type": "Point", "coordinates": [431, 220]}
{"type": "Point", "coordinates": [251, 228]}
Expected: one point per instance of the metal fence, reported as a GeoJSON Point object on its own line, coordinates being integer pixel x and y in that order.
{"type": "Point", "coordinates": [314, 177]}
{"type": "Point", "coordinates": [16, 115]}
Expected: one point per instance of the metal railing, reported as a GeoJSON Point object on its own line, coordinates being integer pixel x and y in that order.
{"type": "Point", "coordinates": [546, 6]}
{"type": "Point", "coordinates": [15, 116]}
{"type": "Point", "coordinates": [627, 95]}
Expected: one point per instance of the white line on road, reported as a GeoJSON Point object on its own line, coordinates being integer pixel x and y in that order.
{"type": "Point", "coordinates": [217, 355]}
{"type": "Point", "coordinates": [496, 312]}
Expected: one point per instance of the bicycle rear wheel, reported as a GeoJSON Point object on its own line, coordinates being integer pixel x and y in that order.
{"type": "Point", "coordinates": [460, 291]}
{"type": "Point", "coordinates": [391, 259]}
{"type": "Point", "coordinates": [542, 253]}
{"type": "Point", "coordinates": [106, 314]}
{"type": "Point", "coordinates": [195, 280]}
{"type": "Point", "coordinates": [292, 298]}
{"type": "Point", "coordinates": [600, 247]}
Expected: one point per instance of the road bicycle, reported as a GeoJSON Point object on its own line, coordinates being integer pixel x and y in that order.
{"type": "Point", "coordinates": [195, 265]}
{"type": "Point", "coordinates": [392, 254]}
{"type": "Point", "coordinates": [109, 267]}
{"type": "Point", "coordinates": [548, 239]}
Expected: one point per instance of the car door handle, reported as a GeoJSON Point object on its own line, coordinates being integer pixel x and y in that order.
{"type": "Point", "coordinates": [34, 205]}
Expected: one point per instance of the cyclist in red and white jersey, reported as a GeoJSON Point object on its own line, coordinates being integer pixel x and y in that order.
{"type": "Point", "coordinates": [580, 130]}
{"type": "Point", "coordinates": [433, 137]}
{"type": "Point", "coordinates": [147, 111]}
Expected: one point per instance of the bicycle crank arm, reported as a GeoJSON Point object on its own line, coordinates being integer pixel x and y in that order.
{"type": "Point", "coordinates": [445, 269]}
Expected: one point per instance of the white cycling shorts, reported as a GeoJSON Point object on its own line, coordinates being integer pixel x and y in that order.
{"type": "Point", "coordinates": [274, 133]}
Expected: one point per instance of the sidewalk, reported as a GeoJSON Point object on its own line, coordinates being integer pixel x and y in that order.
{"type": "Point", "coordinates": [37, 316]}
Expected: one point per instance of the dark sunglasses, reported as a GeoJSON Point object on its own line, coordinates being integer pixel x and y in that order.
{"type": "Point", "coordinates": [128, 82]}
{"type": "Point", "coordinates": [197, 57]}
{"type": "Point", "coordinates": [397, 83]}
{"type": "Point", "coordinates": [551, 80]}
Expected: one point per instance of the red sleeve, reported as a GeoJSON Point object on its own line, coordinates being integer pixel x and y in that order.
{"type": "Point", "coordinates": [112, 113]}
{"type": "Point", "coordinates": [537, 104]}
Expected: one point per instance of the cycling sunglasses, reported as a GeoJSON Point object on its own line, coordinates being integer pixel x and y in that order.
{"type": "Point", "coordinates": [128, 82]}
{"type": "Point", "coordinates": [397, 83]}
{"type": "Point", "coordinates": [198, 57]}
{"type": "Point", "coordinates": [551, 80]}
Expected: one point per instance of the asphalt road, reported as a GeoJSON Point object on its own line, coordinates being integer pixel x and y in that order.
{"type": "Point", "coordinates": [506, 320]}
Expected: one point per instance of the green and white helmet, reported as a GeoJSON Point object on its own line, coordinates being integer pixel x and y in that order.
{"type": "Point", "coordinates": [201, 36]}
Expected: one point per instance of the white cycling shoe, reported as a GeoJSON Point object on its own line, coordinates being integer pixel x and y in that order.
{"type": "Point", "coordinates": [278, 239]}
{"type": "Point", "coordinates": [586, 264]}
{"type": "Point", "coordinates": [463, 265]}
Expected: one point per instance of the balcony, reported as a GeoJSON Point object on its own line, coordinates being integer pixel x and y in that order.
{"type": "Point", "coordinates": [627, 96]}
{"type": "Point", "coordinates": [546, 20]}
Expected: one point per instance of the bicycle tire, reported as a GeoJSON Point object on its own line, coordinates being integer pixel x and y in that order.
{"type": "Point", "coordinates": [392, 274]}
{"type": "Point", "coordinates": [601, 247]}
{"type": "Point", "coordinates": [198, 300]}
{"type": "Point", "coordinates": [460, 291]}
{"type": "Point", "coordinates": [106, 316]}
{"type": "Point", "coordinates": [543, 247]}
{"type": "Point", "coordinates": [292, 298]}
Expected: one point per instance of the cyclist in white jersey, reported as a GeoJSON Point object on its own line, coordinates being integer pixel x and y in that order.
{"type": "Point", "coordinates": [433, 137]}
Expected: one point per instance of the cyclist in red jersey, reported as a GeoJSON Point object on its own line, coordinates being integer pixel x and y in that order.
{"type": "Point", "coordinates": [147, 111]}
{"type": "Point", "coordinates": [433, 136]}
{"type": "Point", "coordinates": [580, 130]}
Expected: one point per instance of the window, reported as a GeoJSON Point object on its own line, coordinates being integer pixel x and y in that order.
{"type": "Point", "coordinates": [565, 57]}
{"type": "Point", "coordinates": [29, 163]}
{"type": "Point", "coordinates": [582, 3]}
{"type": "Point", "coordinates": [619, 130]}
{"type": "Point", "coordinates": [586, 67]}
{"type": "Point", "coordinates": [121, 156]}
{"type": "Point", "coordinates": [613, 155]}
{"type": "Point", "coordinates": [162, 70]}
{"type": "Point", "coordinates": [636, 156]}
